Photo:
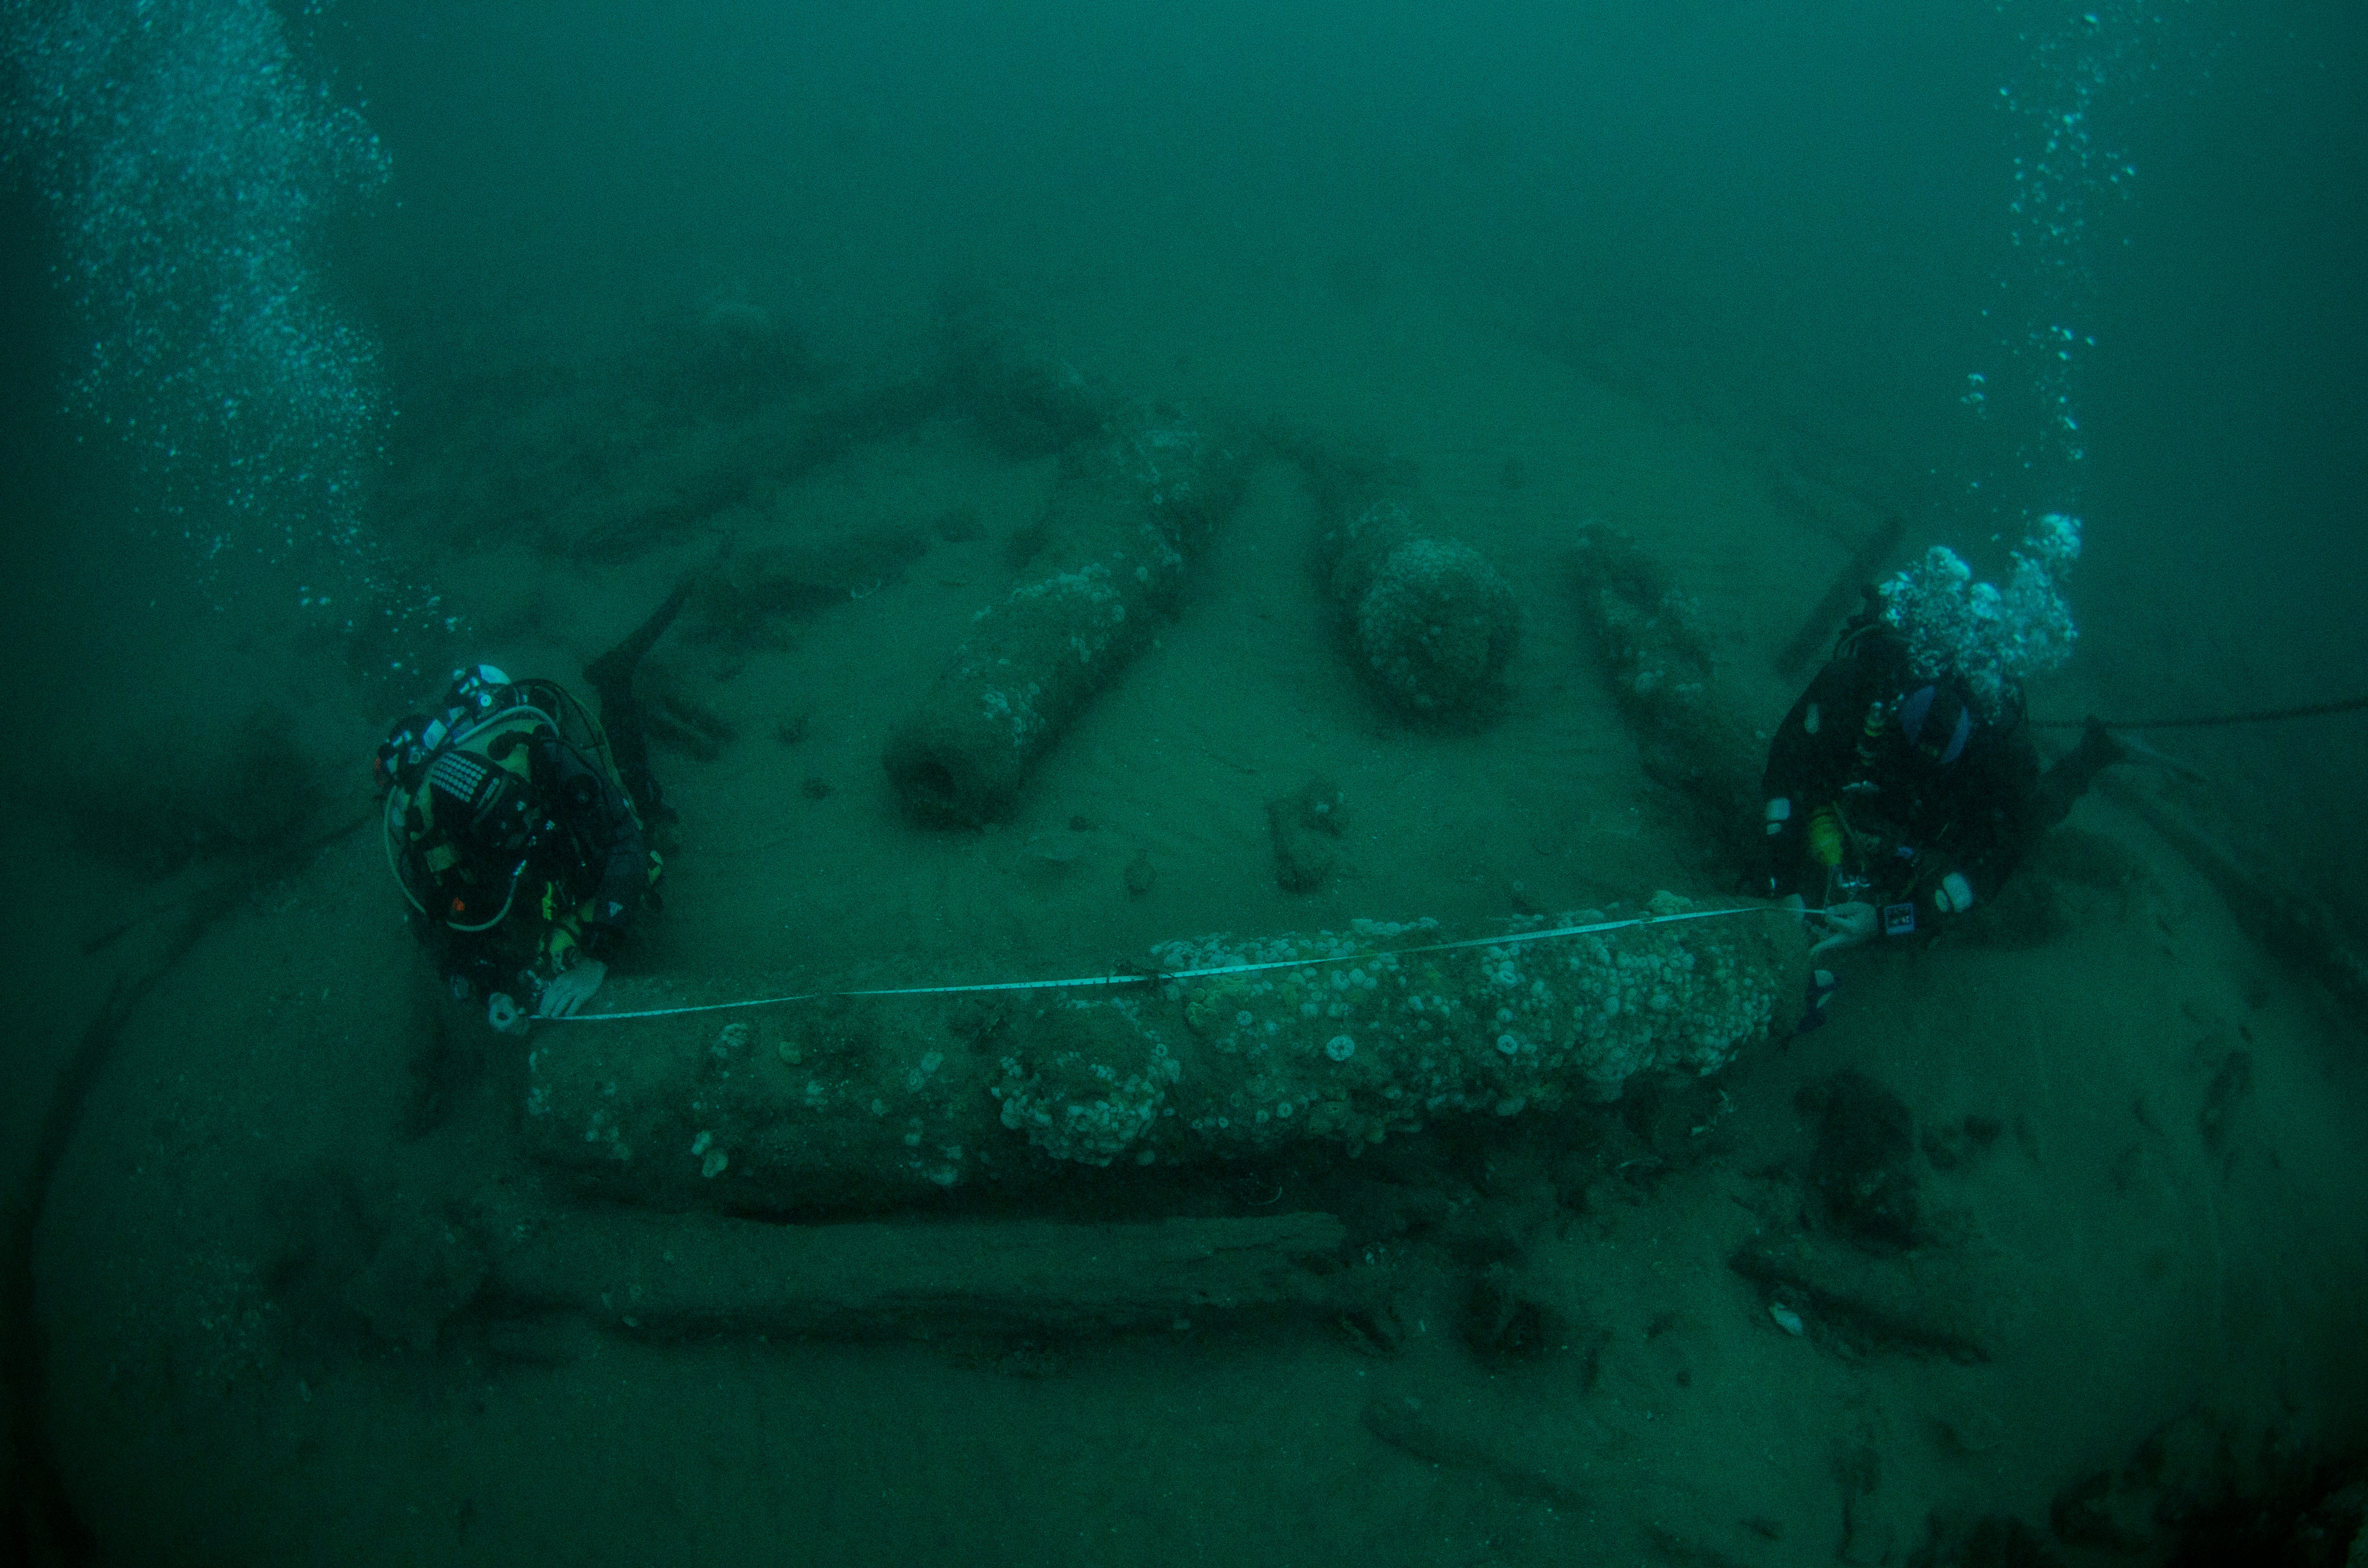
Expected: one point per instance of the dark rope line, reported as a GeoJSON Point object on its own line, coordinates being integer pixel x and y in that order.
{"type": "Point", "coordinates": [36, 1516]}
{"type": "Point", "coordinates": [2307, 710]}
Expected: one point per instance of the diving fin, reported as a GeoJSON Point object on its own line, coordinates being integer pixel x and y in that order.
{"type": "Point", "coordinates": [2137, 752]}
{"type": "Point", "coordinates": [611, 674]}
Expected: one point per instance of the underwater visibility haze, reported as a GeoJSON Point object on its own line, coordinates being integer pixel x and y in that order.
{"type": "Point", "coordinates": [1259, 783]}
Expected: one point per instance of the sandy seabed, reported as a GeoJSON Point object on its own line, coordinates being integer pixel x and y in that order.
{"type": "Point", "coordinates": [2159, 1244]}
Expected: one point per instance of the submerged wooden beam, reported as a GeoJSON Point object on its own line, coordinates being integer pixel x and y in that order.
{"type": "Point", "coordinates": [1848, 587]}
{"type": "Point", "coordinates": [2285, 923]}
{"type": "Point", "coordinates": [672, 1273]}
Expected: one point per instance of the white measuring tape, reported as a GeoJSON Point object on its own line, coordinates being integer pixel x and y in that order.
{"type": "Point", "coordinates": [1510, 940]}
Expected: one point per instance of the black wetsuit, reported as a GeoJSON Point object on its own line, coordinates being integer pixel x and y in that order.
{"type": "Point", "coordinates": [579, 883]}
{"type": "Point", "coordinates": [1907, 820]}
{"type": "Point", "coordinates": [512, 891]}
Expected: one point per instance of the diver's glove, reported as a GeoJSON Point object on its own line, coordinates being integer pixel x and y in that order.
{"type": "Point", "coordinates": [569, 991]}
{"type": "Point", "coordinates": [1847, 924]}
{"type": "Point", "coordinates": [1954, 896]}
{"type": "Point", "coordinates": [504, 1014]}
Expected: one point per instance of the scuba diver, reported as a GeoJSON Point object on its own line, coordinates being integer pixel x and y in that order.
{"type": "Point", "coordinates": [1903, 788]}
{"type": "Point", "coordinates": [514, 823]}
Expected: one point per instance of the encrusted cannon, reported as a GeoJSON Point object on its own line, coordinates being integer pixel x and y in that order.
{"type": "Point", "coordinates": [1127, 513]}
{"type": "Point", "coordinates": [1433, 623]}
{"type": "Point", "coordinates": [1228, 1050]}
